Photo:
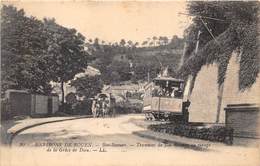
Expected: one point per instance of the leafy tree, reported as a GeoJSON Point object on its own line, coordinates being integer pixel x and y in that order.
{"type": "Point", "coordinates": [122, 42]}
{"type": "Point", "coordinates": [130, 43]}
{"type": "Point", "coordinates": [154, 40]}
{"type": "Point", "coordinates": [66, 54]}
{"type": "Point", "coordinates": [23, 52]}
{"type": "Point", "coordinates": [88, 86]}
{"type": "Point", "coordinates": [144, 43]}
{"type": "Point", "coordinates": [176, 43]}
{"type": "Point", "coordinates": [115, 77]}
{"type": "Point", "coordinates": [120, 68]}
{"type": "Point", "coordinates": [165, 40]}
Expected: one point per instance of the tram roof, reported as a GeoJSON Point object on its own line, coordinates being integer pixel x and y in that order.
{"type": "Point", "coordinates": [168, 79]}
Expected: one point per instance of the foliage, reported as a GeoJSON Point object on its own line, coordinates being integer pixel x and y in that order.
{"type": "Point", "coordinates": [121, 69]}
{"type": "Point", "coordinates": [36, 52]}
{"type": "Point", "coordinates": [240, 34]}
{"type": "Point", "coordinates": [205, 9]}
{"type": "Point", "coordinates": [113, 59]}
{"type": "Point", "coordinates": [88, 86]}
{"type": "Point", "coordinates": [213, 133]}
{"type": "Point", "coordinates": [125, 107]}
{"type": "Point", "coordinates": [67, 56]}
{"type": "Point", "coordinates": [23, 52]}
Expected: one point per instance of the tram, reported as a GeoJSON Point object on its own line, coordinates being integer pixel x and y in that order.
{"type": "Point", "coordinates": [163, 100]}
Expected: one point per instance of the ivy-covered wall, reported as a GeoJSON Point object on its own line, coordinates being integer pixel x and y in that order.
{"type": "Point", "coordinates": [205, 92]}
{"type": "Point", "coordinates": [231, 93]}
{"type": "Point", "coordinates": [241, 34]}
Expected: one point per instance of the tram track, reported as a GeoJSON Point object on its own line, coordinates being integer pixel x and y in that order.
{"type": "Point", "coordinates": [17, 132]}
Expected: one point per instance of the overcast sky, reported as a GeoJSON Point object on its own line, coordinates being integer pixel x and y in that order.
{"type": "Point", "coordinates": [112, 21]}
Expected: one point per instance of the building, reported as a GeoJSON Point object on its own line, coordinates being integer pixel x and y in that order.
{"type": "Point", "coordinates": [21, 102]}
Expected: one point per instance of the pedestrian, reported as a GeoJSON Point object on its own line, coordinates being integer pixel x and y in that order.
{"type": "Point", "coordinates": [94, 109]}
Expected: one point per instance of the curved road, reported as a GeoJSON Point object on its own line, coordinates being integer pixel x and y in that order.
{"type": "Point", "coordinates": [98, 131]}
{"type": "Point", "coordinates": [110, 141]}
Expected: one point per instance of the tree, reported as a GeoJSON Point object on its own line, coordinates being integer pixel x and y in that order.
{"type": "Point", "coordinates": [120, 68]}
{"type": "Point", "coordinates": [136, 44]}
{"type": "Point", "coordinates": [144, 43]}
{"type": "Point", "coordinates": [165, 40]}
{"type": "Point", "coordinates": [88, 86]}
{"type": "Point", "coordinates": [90, 41]}
{"type": "Point", "coordinates": [160, 40]}
{"type": "Point", "coordinates": [154, 40]}
{"type": "Point", "coordinates": [23, 52]}
{"type": "Point", "coordinates": [122, 42]}
{"type": "Point", "coordinates": [66, 54]}
{"type": "Point", "coordinates": [115, 77]}
{"type": "Point", "coordinates": [130, 43]}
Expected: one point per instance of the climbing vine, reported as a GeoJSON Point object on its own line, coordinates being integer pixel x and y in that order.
{"type": "Point", "coordinates": [241, 35]}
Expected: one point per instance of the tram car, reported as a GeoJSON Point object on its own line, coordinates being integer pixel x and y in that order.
{"type": "Point", "coordinates": [163, 100]}
{"type": "Point", "coordinates": [103, 105]}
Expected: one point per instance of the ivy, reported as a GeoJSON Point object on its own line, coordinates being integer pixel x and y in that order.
{"type": "Point", "coordinates": [241, 35]}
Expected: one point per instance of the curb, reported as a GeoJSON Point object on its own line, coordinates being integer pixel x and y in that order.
{"type": "Point", "coordinates": [13, 134]}
{"type": "Point", "coordinates": [197, 147]}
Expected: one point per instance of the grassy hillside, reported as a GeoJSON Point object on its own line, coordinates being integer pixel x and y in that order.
{"type": "Point", "coordinates": [119, 63]}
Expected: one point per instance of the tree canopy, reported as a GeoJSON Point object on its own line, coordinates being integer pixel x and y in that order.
{"type": "Point", "coordinates": [35, 52]}
{"type": "Point", "coordinates": [23, 52]}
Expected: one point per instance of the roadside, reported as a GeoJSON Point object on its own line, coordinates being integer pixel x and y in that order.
{"type": "Point", "coordinates": [191, 143]}
{"type": "Point", "coordinates": [10, 128]}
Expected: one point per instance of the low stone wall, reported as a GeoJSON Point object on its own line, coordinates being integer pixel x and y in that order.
{"type": "Point", "coordinates": [244, 119]}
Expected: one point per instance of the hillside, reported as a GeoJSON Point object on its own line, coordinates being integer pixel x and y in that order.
{"type": "Point", "coordinates": [118, 63]}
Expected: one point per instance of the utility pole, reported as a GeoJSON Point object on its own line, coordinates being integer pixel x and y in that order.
{"type": "Point", "coordinates": [183, 54]}
{"type": "Point", "coordinates": [191, 78]}
{"type": "Point", "coordinates": [148, 76]}
{"type": "Point", "coordinates": [197, 42]}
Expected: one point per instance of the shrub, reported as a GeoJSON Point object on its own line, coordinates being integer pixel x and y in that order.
{"type": "Point", "coordinates": [212, 133]}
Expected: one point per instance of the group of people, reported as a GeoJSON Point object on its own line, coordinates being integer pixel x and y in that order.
{"type": "Point", "coordinates": [166, 92]}
{"type": "Point", "coordinates": [100, 108]}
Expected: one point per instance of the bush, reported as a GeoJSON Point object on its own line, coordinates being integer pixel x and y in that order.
{"type": "Point", "coordinates": [213, 133]}
{"type": "Point", "coordinates": [126, 107]}
{"type": "Point", "coordinates": [83, 107]}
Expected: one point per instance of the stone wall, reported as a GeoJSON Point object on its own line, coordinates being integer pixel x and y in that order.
{"type": "Point", "coordinates": [231, 94]}
{"type": "Point", "coordinates": [205, 92]}
{"type": "Point", "coordinates": [203, 99]}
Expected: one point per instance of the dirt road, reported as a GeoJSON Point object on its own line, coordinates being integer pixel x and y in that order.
{"type": "Point", "coordinates": [110, 141]}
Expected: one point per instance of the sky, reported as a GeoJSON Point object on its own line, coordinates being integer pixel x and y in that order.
{"type": "Point", "coordinates": [113, 21]}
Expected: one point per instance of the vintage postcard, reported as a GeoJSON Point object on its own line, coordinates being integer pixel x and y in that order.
{"type": "Point", "coordinates": [130, 83]}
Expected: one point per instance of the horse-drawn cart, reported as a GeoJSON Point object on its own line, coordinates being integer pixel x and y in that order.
{"type": "Point", "coordinates": [103, 105]}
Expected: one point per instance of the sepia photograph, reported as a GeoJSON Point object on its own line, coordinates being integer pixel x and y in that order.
{"type": "Point", "coordinates": [130, 83]}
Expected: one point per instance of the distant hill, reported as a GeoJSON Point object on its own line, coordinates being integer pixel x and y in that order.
{"type": "Point", "coordinates": [118, 63]}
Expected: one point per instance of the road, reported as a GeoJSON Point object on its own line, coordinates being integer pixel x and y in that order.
{"type": "Point", "coordinates": [110, 141]}
{"type": "Point", "coordinates": [97, 131]}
